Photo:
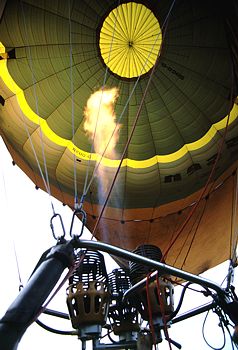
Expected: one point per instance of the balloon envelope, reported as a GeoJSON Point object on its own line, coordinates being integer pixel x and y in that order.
{"type": "Point", "coordinates": [175, 67]}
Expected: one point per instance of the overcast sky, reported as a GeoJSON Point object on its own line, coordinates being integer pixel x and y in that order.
{"type": "Point", "coordinates": [25, 224]}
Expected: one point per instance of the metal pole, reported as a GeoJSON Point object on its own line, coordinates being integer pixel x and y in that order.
{"type": "Point", "coordinates": [160, 267]}
{"type": "Point", "coordinates": [199, 310]}
{"type": "Point", "coordinates": [56, 314]}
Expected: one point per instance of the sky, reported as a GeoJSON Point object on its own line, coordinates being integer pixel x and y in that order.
{"type": "Point", "coordinates": [25, 234]}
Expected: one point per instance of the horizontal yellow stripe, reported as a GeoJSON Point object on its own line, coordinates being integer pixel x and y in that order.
{"type": "Point", "coordinates": [52, 136]}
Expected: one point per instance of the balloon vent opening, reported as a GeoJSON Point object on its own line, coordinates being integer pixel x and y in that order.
{"type": "Point", "coordinates": [123, 315]}
{"type": "Point", "coordinates": [88, 294]}
{"type": "Point", "coordinates": [159, 293]}
{"type": "Point", "coordinates": [130, 40]}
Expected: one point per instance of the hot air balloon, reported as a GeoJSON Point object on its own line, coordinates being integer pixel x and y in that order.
{"type": "Point", "coordinates": [127, 112]}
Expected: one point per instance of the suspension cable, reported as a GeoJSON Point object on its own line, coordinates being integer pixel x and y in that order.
{"type": "Point", "coordinates": [18, 268]}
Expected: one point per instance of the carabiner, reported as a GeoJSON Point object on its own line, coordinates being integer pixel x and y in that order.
{"type": "Point", "coordinates": [59, 238]}
{"type": "Point", "coordinates": [83, 220]}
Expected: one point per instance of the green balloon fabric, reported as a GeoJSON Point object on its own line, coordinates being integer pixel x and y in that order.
{"type": "Point", "coordinates": [186, 106]}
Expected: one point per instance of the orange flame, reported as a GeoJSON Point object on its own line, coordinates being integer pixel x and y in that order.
{"type": "Point", "coordinates": [100, 124]}
{"type": "Point", "coordinates": [100, 121]}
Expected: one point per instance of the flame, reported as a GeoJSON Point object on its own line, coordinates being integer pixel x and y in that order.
{"type": "Point", "coordinates": [100, 121]}
{"type": "Point", "coordinates": [101, 127]}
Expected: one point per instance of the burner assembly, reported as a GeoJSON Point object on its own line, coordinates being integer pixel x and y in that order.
{"type": "Point", "coordinates": [155, 300]}
{"type": "Point", "coordinates": [96, 300]}
{"type": "Point", "coordinates": [88, 295]}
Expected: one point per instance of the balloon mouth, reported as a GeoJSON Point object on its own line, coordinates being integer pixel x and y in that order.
{"type": "Point", "coordinates": [130, 40]}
